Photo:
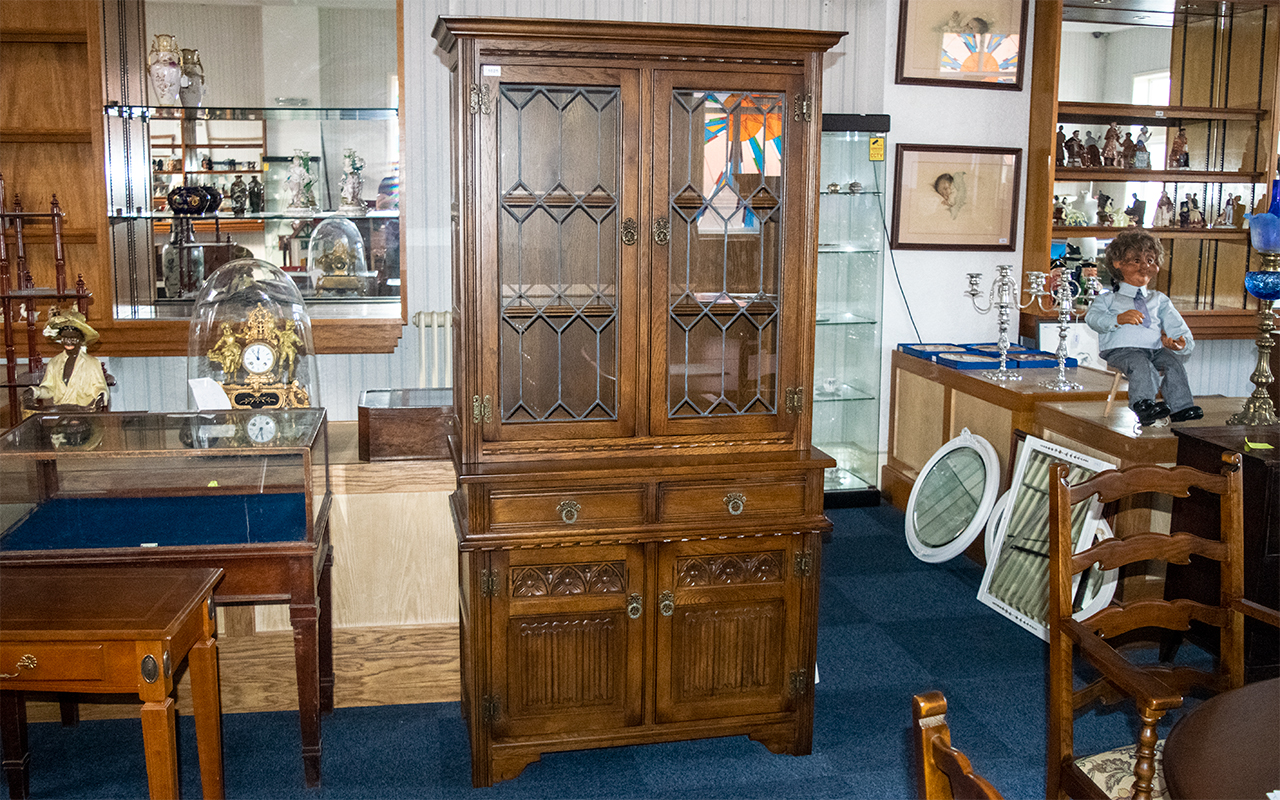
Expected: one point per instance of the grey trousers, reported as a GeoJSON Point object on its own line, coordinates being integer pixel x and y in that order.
{"type": "Point", "coordinates": [1143, 369]}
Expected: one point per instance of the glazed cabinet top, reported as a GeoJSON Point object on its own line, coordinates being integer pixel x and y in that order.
{"type": "Point", "coordinates": [634, 259]}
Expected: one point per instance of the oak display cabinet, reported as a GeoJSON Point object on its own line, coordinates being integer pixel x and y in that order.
{"type": "Point", "coordinates": [639, 510]}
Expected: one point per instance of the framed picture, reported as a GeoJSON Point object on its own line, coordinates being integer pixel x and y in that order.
{"type": "Point", "coordinates": [1016, 581]}
{"type": "Point", "coordinates": [974, 43]}
{"type": "Point", "coordinates": [948, 197]}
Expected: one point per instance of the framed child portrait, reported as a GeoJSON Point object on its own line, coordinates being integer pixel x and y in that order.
{"type": "Point", "coordinates": [949, 197]}
{"type": "Point", "coordinates": [979, 44]}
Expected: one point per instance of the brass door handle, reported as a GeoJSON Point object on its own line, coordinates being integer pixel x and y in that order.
{"type": "Point", "coordinates": [635, 605]}
{"type": "Point", "coordinates": [661, 231]}
{"type": "Point", "coordinates": [667, 603]}
{"type": "Point", "coordinates": [630, 231]}
{"type": "Point", "coordinates": [28, 661]}
{"type": "Point", "coordinates": [735, 502]}
{"type": "Point", "coordinates": [568, 511]}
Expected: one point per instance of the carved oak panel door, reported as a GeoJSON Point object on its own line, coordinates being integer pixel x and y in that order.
{"type": "Point", "coordinates": [728, 627]}
{"type": "Point", "coordinates": [568, 634]}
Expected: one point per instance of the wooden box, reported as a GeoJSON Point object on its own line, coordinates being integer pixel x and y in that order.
{"type": "Point", "coordinates": [405, 424]}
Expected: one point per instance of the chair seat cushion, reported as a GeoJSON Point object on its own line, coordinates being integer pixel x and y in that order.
{"type": "Point", "coordinates": [1113, 771]}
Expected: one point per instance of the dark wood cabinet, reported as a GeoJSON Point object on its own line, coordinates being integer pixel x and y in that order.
{"type": "Point", "coordinates": [639, 508]}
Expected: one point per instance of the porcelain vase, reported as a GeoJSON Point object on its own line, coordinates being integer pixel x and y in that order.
{"type": "Point", "coordinates": [191, 85]}
{"type": "Point", "coordinates": [164, 65]}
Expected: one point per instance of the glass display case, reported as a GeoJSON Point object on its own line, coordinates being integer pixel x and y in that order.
{"type": "Point", "coordinates": [846, 375]}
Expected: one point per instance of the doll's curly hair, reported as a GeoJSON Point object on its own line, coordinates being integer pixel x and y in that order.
{"type": "Point", "coordinates": [1130, 243]}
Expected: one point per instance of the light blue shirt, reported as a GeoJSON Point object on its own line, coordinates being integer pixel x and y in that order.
{"type": "Point", "coordinates": [1161, 316]}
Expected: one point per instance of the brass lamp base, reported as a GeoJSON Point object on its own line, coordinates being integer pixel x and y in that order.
{"type": "Point", "coordinates": [1258, 408]}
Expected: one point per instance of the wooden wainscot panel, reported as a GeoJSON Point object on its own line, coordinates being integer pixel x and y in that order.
{"type": "Point", "coordinates": [918, 421]}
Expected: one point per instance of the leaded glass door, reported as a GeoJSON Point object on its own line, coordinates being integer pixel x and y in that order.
{"type": "Point", "coordinates": [727, 189]}
{"type": "Point", "coordinates": [562, 162]}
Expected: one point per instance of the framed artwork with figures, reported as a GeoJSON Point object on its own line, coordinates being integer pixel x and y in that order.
{"type": "Point", "coordinates": [979, 44]}
{"type": "Point", "coordinates": [949, 197]}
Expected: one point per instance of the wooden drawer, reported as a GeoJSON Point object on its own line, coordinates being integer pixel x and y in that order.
{"type": "Point", "coordinates": [727, 500]}
{"type": "Point", "coordinates": [568, 506]}
{"type": "Point", "coordinates": [53, 662]}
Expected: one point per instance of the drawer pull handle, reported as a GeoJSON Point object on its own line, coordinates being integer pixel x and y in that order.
{"type": "Point", "coordinates": [568, 511]}
{"type": "Point", "coordinates": [667, 603]}
{"type": "Point", "coordinates": [735, 502]}
{"type": "Point", "coordinates": [28, 661]}
{"type": "Point", "coordinates": [635, 605]}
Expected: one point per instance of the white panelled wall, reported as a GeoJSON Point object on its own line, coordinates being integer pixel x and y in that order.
{"type": "Point", "coordinates": [859, 78]}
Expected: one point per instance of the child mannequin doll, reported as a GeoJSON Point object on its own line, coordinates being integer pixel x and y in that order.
{"type": "Point", "coordinates": [1141, 334]}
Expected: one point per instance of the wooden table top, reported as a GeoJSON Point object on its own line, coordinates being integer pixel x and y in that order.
{"type": "Point", "coordinates": [1095, 383]}
{"type": "Point", "coordinates": [1228, 748]}
{"type": "Point", "coordinates": [92, 604]}
{"type": "Point", "coordinates": [1118, 432]}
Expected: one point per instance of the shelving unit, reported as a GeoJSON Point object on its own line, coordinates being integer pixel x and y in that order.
{"type": "Point", "coordinates": [1223, 69]}
{"type": "Point", "coordinates": [846, 380]}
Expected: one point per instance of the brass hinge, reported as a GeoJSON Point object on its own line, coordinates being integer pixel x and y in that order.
{"type": "Point", "coordinates": [799, 682]}
{"type": "Point", "coordinates": [488, 582]}
{"type": "Point", "coordinates": [804, 108]}
{"type": "Point", "coordinates": [481, 410]}
{"type": "Point", "coordinates": [804, 563]}
{"type": "Point", "coordinates": [481, 100]}
{"type": "Point", "coordinates": [490, 705]}
{"type": "Point", "coordinates": [794, 400]}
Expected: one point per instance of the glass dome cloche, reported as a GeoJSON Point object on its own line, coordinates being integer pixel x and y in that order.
{"type": "Point", "coordinates": [250, 333]}
{"type": "Point", "coordinates": [336, 261]}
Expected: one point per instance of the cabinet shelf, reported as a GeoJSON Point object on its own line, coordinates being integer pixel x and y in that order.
{"type": "Point", "coordinates": [1066, 174]}
{"type": "Point", "coordinates": [854, 396]}
{"type": "Point", "coordinates": [846, 249]}
{"type": "Point", "coordinates": [1080, 231]}
{"type": "Point", "coordinates": [163, 216]}
{"type": "Point", "coordinates": [1170, 116]}
{"type": "Point", "coordinates": [845, 319]}
{"type": "Point", "coordinates": [149, 113]}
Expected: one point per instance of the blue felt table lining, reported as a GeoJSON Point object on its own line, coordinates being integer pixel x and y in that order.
{"type": "Point", "coordinates": [80, 523]}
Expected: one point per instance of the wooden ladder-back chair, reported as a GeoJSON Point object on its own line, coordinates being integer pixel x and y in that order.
{"type": "Point", "coordinates": [1155, 688]}
{"type": "Point", "coordinates": [942, 772]}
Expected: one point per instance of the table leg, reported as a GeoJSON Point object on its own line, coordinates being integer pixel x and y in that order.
{"type": "Point", "coordinates": [69, 709]}
{"type": "Point", "coordinates": [13, 732]}
{"type": "Point", "coordinates": [306, 654]}
{"type": "Point", "coordinates": [206, 699]}
{"type": "Point", "coordinates": [160, 740]}
{"type": "Point", "coordinates": [326, 635]}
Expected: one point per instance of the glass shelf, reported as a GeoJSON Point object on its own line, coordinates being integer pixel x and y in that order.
{"type": "Point", "coordinates": [286, 114]}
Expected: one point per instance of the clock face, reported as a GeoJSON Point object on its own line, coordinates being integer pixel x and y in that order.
{"type": "Point", "coordinates": [261, 428]}
{"type": "Point", "coordinates": [258, 358]}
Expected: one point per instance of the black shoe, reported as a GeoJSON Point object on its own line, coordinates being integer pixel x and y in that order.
{"type": "Point", "coordinates": [1149, 411]}
{"type": "Point", "coordinates": [1187, 414]}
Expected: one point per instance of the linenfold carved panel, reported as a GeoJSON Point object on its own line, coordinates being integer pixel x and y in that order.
{"type": "Point", "coordinates": [729, 569]}
{"type": "Point", "coordinates": [566, 662]}
{"type": "Point", "coordinates": [730, 649]}
{"type": "Point", "coordinates": [563, 580]}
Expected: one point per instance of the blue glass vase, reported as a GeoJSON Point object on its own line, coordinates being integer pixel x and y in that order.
{"type": "Point", "coordinates": [1262, 284]}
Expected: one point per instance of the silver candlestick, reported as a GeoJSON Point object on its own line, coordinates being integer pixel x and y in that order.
{"type": "Point", "coordinates": [1003, 297]}
{"type": "Point", "coordinates": [1065, 295]}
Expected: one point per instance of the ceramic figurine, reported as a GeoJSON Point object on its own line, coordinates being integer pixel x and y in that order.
{"type": "Point", "coordinates": [1092, 154]}
{"type": "Point", "coordinates": [1128, 148]}
{"type": "Point", "coordinates": [1060, 151]}
{"type": "Point", "coordinates": [192, 82]}
{"type": "Point", "coordinates": [1137, 211]}
{"type": "Point", "coordinates": [1195, 218]}
{"type": "Point", "coordinates": [1178, 158]}
{"type": "Point", "coordinates": [1164, 212]}
{"type": "Point", "coordinates": [164, 65]}
{"type": "Point", "coordinates": [352, 184]}
{"type": "Point", "coordinates": [72, 377]}
{"type": "Point", "coordinates": [300, 183]}
{"type": "Point", "coordinates": [1074, 149]}
{"type": "Point", "coordinates": [1106, 214]}
{"type": "Point", "coordinates": [255, 195]}
{"type": "Point", "coordinates": [1111, 146]}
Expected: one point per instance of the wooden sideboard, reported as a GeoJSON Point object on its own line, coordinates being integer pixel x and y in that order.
{"type": "Point", "coordinates": [930, 404]}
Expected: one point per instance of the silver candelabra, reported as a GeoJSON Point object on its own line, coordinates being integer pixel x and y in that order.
{"type": "Point", "coordinates": [1064, 297]}
{"type": "Point", "coordinates": [1003, 297]}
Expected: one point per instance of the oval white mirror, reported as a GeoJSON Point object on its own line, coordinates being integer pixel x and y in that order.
{"type": "Point", "coordinates": [952, 498]}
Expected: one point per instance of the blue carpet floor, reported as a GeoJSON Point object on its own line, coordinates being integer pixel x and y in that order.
{"type": "Point", "coordinates": [890, 626]}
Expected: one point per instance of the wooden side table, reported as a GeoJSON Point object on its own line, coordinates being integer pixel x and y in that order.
{"type": "Point", "coordinates": [109, 630]}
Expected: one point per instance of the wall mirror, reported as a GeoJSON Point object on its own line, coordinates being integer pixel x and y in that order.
{"type": "Point", "coordinates": [287, 113]}
{"type": "Point", "coordinates": [1016, 580]}
{"type": "Point", "coordinates": [953, 497]}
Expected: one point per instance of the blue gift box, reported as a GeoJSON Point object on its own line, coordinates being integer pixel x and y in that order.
{"type": "Point", "coordinates": [930, 351]}
{"type": "Point", "coordinates": [1038, 358]}
{"type": "Point", "coordinates": [969, 360]}
{"type": "Point", "coordinates": [993, 348]}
